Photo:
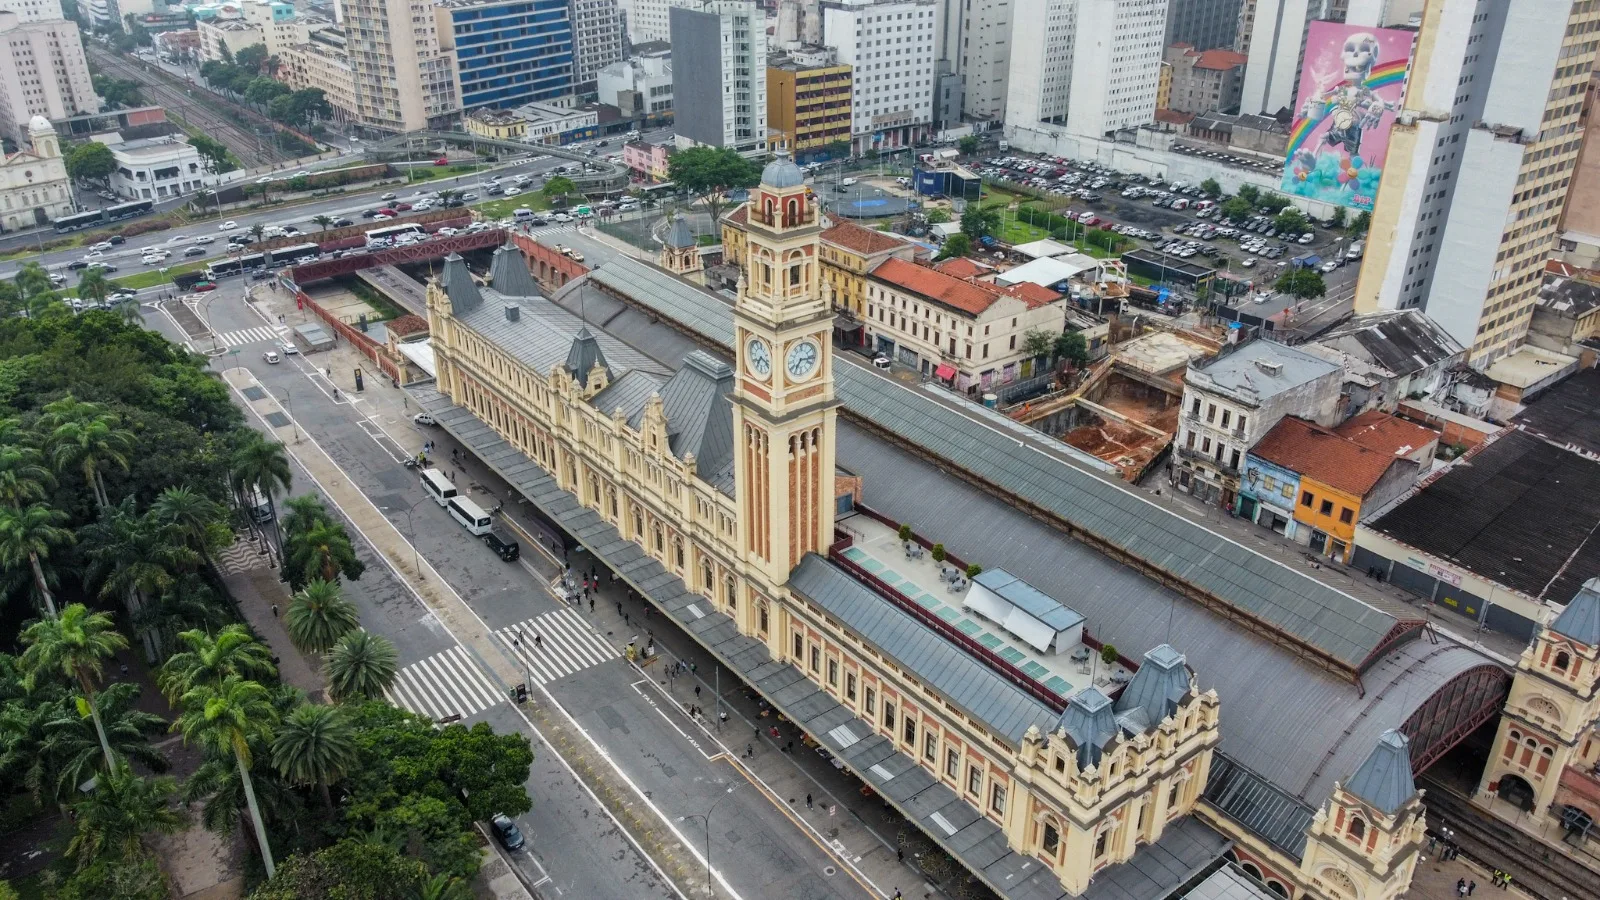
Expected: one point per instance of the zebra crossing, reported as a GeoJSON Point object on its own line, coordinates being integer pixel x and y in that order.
{"type": "Point", "coordinates": [446, 685]}
{"type": "Point", "coordinates": [566, 645]}
{"type": "Point", "coordinates": [254, 335]}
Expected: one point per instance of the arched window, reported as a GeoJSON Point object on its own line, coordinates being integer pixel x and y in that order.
{"type": "Point", "coordinates": [611, 493]}
{"type": "Point", "coordinates": [1563, 660]}
{"type": "Point", "coordinates": [1545, 756]}
{"type": "Point", "coordinates": [705, 576]}
{"type": "Point", "coordinates": [661, 538]}
{"type": "Point", "coordinates": [1251, 870]}
{"type": "Point", "coordinates": [730, 589]}
{"type": "Point", "coordinates": [1358, 828]}
{"type": "Point", "coordinates": [1528, 746]}
{"type": "Point", "coordinates": [791, 215]}
{"type": "Point", "coordinates": [677, 552]}
{"type": "Point", "coordinates": [761, 617]}
{"type": "Point", "coordinates": [638, 524]}
{"type": "Point", "coordinates": [1277, 888]}
{"type": "Point", "coordinates": [1052, 839]}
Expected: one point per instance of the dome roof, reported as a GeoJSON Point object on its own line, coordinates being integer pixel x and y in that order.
{"type": "Point", "coordinates": [40, 123]}
{"type": "Point", "coordinates": [782, 172]}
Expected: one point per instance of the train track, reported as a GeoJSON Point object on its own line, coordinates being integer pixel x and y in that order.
{"type": "Point", "coordinates": [1544, 873]}
{"type": "Point", "coordinates": [161, 88]}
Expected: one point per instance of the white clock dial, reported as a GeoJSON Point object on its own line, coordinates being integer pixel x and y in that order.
{"type": "Point", "coordinates": [802, 360]}
{"type": "Point", "coordinates": [758, 357]}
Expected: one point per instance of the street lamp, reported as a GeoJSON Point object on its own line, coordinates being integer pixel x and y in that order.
{"type": "Point", "coordinates": [290, 409]}
{"type": "Point", "coordinates": [706, 819]}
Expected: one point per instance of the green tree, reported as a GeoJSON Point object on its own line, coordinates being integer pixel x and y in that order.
{"type": "Point", "coordinates": [361, 666]}
{"type": "Point", "coordinates": [303, 513]}
{"type": "Point", "coordinates": [1338, 218]}
{"type": "Point", "coordinates": [84, 435]}
{"type": "Point", "coordinates": [263, 90]}
{"type": "Point", "coordinates": [91, 161]}
{"type": "Point", "coordinates": [136, 877]}
{"type": "Point", "coordinates": [259, 464]}
{"type": "Point", "coordinates": [356, 868]}
{"type": "Point", "coordinates": [93, 285]}
{"type": "Point", "coordinates": [27, 536]}
{"type": "Point", "coordinates": [938, 215]}
{"type": "Point", "coordinates": [324, 222]}
{"type": "Point", "coordinates": [252, 59]}
{"type": "Point", "coordinates": [75, 645]}
{"type": "Point", "coordinates": [135, 559]}
{"type": "Point", "coordinates": [1237, 208]}
{"type": "Point", "coordinates": [1272, 203]}
{"type": "Point", "coordinates": [1071, 346]}
{"type": "Point", "coordinates": [1210, 186]}
{"type": "Point", "coordinates": [1037, 342]}
{"type": "Point", "coordinates": [1304, 283]}
{"type": "Point", "coordinates": [34, 286]}
{"type": "Point", "coordinates": [1361, 222]}
{"type": "Point", "coordinates": [199, 520]}
{"type": "Point", "coordinates": [113, 819]}
{"type": "Point", "coordinates": [224, 718]}
{"type": "Point", "coordinates": [558, 187]}
{"type": "Point", "coordinates": [1291, 220]}
{"type": "Point", "coordinates": [211, 659]}
{"type": "Point", "coordinates": [319, 615]}
{"type": "Point", "coordinates": [709, 173]}
{"type": "Point", "coordinates": [23, 475]}
{"type": "Point", "coordinates": [969, 144]}
{"type": "Point", "coordinates": [315, 745]}
{"type": "Point", "coordinates": [218, 159]}
{"type": "Point", "coordinates": [1250, 194]}
{"type": "Point", "coordinates": [73, 748]}
{"type": "Point", "coordinates": [955, 245]}
{"type": "Point", "coordinates": [323, 552]}
{"type": "Point", "coordinates": [980, 221]}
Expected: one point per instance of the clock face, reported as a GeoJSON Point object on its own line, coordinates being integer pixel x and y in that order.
{"type": "Point", "coordinates": [758, 357]}
{"type": "Point", "coordinates": [802, 360]}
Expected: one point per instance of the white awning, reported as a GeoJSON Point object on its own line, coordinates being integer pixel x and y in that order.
{"type": "Point", "coordinates": [986, 603]}
{"type": "Point", "coordinates": [1037, 634]}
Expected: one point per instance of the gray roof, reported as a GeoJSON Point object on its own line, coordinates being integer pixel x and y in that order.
{"type": "Point", "coordinates": [1029, 599]}
{"type": "Point", "coordinates": [1260, 369]}
{"type": "Point", "coordinates": [542, 335]}
{"type": "Point", "coordinates": [782, 172]}
{"type": "Point", "coordinates": [1186, 848]}
{"type": "Point", "coordinates": [458, 284]}
{"type": "Point", "coordinates": [700, 416]}
{"type": "Point", "coordinates": [1580, 621]}
{"type": "Point", "coordinates": [1090, 723]}
{"type": "Point", "coordinates": [509, 275]}
{"type": "Point", "coordinates": [584, 355]}
{"type": "Point", "coordinates": [1269, 812]}
{"type": "Point", "coordinates": [1158, 687]}
{"type": "Point", "coordinates": [1384, 780]}
{"type": "Point", "coordinates": [673, 297]}
{"type": "Point", "coordinates": [629, 393]}
{"type": "Point", "coordinates": [1398, 341]}
{"type": "Point", "coordinates": [978, 690]}
{"type": "Point", "coordinates": [680, 235]}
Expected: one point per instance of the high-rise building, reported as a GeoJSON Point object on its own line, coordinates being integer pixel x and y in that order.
{"type": "Point", "coordinates": [404, 81]}
{"type": "Point", "coordinates": [808, 100]}
{"type": "Point", "coordinates": [1093, 64]}
{"type": "Point", "coordinates": [1203, 24]}
{"type": "Point", "coordinates": [1478, 166]}
{"type": "Point", "coordinates": [597, 34]}
{"type": "Point", "coordinates": [649, 20]}
{"type": "Point", "coordinates": [719, 74]}
{"type": "Point", "coordinates": [889, 46]}
{"type": "Point", "coordinates": [1272, 34]}
{"type": "Point", "coordinates": [33, 10]}
{"type": "Point", "coordinates": [43, 72]}
{"type": "Point", "coordinates": [508, 52]}
{"type": "Point", "coordinates": [974, 43]}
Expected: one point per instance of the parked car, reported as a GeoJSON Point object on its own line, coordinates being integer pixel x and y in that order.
{"type": "Point", "coordinates": [423, 418]}
{"type": "Point", "coordinates": [881, 362]}
{"type": "Point", "coordinates": [229, 225]}
{"type": "Point", "coordinates": [194, 251]}
{"type": "Point", "coordinates": [271, 356]}
{"type": "Point", "coordinates": [507, 832]}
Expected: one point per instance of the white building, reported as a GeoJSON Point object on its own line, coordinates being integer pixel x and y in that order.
{"type": "Point", "coordinates": [34, 188]}
{"type": "Point", "coordinates": [639, 86]}
{"type": "Point", "coordinates": [1477, 168]}
{"type": "Point", "coordinates": [650, 20]}
{"type": "Point", "coordinates": [33, 10]}
{"type": "Point", "coordinates": [975, 40]}
{"type": "Point", "coordinates": [719, 71]}
{"type": "Point", "coordinates": [597, 34]}
{"type": "Point", "coordinates": [220, 39]}
{"type": "Point", "coordinates": [890, 46]}
{"type": "Point", "coordinates": [1095, 62]}
{"type": "Point", "coordinates": [155, 168]}
{"type": "Point", "coordinates": [1272, 39]}
{"type": "Point", "coordinates": [547, 122]}
{"type": "Point", "coordinates": [43, 72]}
{"type": "Point", "coordinates": [403, 80]}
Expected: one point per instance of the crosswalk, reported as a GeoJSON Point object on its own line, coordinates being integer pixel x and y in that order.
{"type": "Point", "coordinates": [565, 645]}
{"type": "Point", "coordinates": [443, 686]}
{"type": "Point", "coordinates": [254, 335]}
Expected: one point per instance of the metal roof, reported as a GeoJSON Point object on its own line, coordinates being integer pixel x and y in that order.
{"type": "Point", "coordinates": [700, 416]}
{"type": "Point", "coordinates": [584, 355]}
{"type": "Point", "coordinates": [678, 300]}
{"type": "Point", "coordinates": [542, 335]}
{"type": "Point", "coordinates": [1270, 813]}
{"type": "Point", "coordinates": [508, 273]}
{"type": "Point", "coordinates": [459, 286]}
{"type": "Point", "coordinates": [1090, 723]}
{"type": "Point", "coordinates": [1259, 369]}
{"type": "Point", "coordinates": [1158, 687]}
{"type": "Point", "coordinates": [629, 393]}
{"type": "Point", "coordinates": [1029, 599]}
{"type": "Point", "coordinates": [1385, 780]}
{"type": "Point", "coordinates": [1159, 870]}
{"type": "Point", "coordinates": [680, 235]}
{"type": "Point", "coordinates": [1581, 619]}
{"type": "Point", "coordinates": [782, 172]}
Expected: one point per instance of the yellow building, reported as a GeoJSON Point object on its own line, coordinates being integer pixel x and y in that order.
{"type": "Point", "coordinates": [498, 124]}
{"type": "Point", "coordinates": [733, 237]}
{"type": "Point", "coordinates": [1164, 86]}
{"type": "Point", "coordinates": [808, 100]}
{"type": "Point", "coordinates": [318, 65]}
{"type": "Point", "coordinates": [849, 253]}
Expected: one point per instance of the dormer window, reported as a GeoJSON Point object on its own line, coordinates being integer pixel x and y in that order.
{"type": "Point", "coordinates": [1358, 828]}
{"type": "Point", "coordinates": [1562, 662]}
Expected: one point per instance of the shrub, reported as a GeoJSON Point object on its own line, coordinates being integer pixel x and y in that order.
{"type": "Point", "coordinates": [938, 553]}
{"type": "Point", "coordinates": [974, 570]}
{"type": "Point", "coordinates": [1108, 654]}
{"type": "Point", "coordinates": [905, 532]}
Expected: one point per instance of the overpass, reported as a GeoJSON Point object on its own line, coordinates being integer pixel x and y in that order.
{"type": "Point", "coordinates": [434, 248]}
{"type": "Point", "coordinates": [614, 178]}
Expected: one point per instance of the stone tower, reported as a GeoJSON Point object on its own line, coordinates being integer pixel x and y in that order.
{"type": "Point", "coordinates": [680, 253]}
{"type": "Point", "coordinates": [1366, 839]}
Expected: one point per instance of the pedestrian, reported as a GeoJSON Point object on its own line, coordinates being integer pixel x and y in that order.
{"type": "Point", "coordinates": [1505, 884]}
{"type": "Point", "coordinates": [697, 692]}
{"type": "Point", "coordinates": [538, 642]}
{"type": "Point", "coordinates": [274, 610]}
{"type": "Point", "coordinates": [619, 607]}
{"type": "Point", "coordinates": [808, 802]}
{"type": "Point", "coordinates": [591, 604]}
{"type": "Point", "coordinates": [1461, 887]}
{"type": "Point", "coordinates": [1433, 841]}
{"type": "Point", "coordinates": [625, 619]}
{"type": "Point", "coordinates": [790, 748]}
{"type": "Point", "coordinates": [899, 855]}
{"type": "Point", "coordinates": [1471, 886]}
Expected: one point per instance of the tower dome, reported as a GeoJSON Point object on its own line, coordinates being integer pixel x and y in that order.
{"type": "Point", "coordinates": [782, 172]}
{"type": "Point", "coordinates": [39, 124]}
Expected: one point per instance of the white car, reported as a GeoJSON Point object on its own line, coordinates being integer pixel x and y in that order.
{"type": "Point", "coordinates": [178, 239]}
{"type": "Point", "coordinates": [513, 191]}
{"type": "Point", "coordinates": [271, 356]}
{"type": "Point", "coordinates": [423, 418]}
{"type": "Point", "coordinates": [1249, 263]}
{"type": "Point", "coordinates": [881, 362]}
{"type": "Point", "coordinates": [301, 174]}
{"type": "Point", "coordinates": [1306, 238]}
{"type": "Point", "coordinates": [380, 217]}
{"type": "Point", "coordinates": [561, 217]}
{"type": "Point", "coordinates": [289, 349]}
{"type": "Point", "coordinates": [93, 255]}
{"type": "Point", "coordinates": [1328, 267]}
{"type": "Point", "coordinates": [103, 245]}
{"type": "Point", "coordinates": [265, 179]}
{"type": "Point", "coordinates": [205, 239]}
{"type": "Point", "coordinates": [229, 225]}
{"type": "Point", "coordinates": [446, 232]}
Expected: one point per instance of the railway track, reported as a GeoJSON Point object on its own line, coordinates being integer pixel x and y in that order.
{"type": "Point", "coordinates": [1538, 870]}
{"type": "Point", "coordinates": [161, 88]}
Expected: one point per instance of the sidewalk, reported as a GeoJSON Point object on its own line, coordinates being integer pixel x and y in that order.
{"type": "Point", "coordinates": [257, 592]}
{"type": "Point", "coordinates": [1436, 880]}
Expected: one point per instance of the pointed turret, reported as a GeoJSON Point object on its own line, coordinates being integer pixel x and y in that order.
{"type": "Point", "coordinates": [509, 275]}
{"type": "Point", "coordinates": [457, 283]}
{"type": "Point", "coordinates": [584, 356]}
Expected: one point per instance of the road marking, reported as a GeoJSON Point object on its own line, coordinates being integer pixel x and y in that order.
{"type": "Point", "coordinates": [566, 645]}
{"type": "Point", "coordinates": [253, 335]}
{"type": "Point", "coordinates": [443, 685]}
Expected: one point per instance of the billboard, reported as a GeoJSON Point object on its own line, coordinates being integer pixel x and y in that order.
{"type": "Point", "coordinates": [1350, 88]}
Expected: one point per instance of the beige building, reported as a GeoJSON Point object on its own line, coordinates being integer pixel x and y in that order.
{"type": "Point", "coordinates": [34, 188]}
{"type": "Point", "coordinates": [1201, 81]}
{"type": "Point", "coordinates": [403, 80]}
{"type": "Point", "coordinates": [317, 65]}
{"type": "Point", "coordinates": [43, 72]}
{"type": "Point", "coordinates": [220, 39]}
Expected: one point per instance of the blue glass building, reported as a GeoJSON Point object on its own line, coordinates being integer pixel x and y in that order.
{"type": "Point", "coordinates": [509, 52]}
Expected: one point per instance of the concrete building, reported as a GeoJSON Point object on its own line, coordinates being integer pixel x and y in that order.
{"type": "Point", "coordinates": [974, 44]}
{"type": "Point", "coordinates": [1473, 185]}
{"type": "Point", "coordinates": [1272, 36]}
{"type": "Point", "coordinates": [551, 123]}
{"type": "Point", "coordinates": [1388, 357]}
{"type": "Point", "coordinates": [496, 124]}
{"type": "Point", "coordinates": [646, 161]}
{"type": "Point", "coordinates": [890, 48]}
{"type": "Point", "coordinates": [650, 20]}
{"type": "Point", "coordinates": [719, 75]}
{"type": "Point", "coordinates": [322, 63]}
{"type": "Point", "coordinates": [404, 80]}
{"type": "Point", "coordinates": [1232, 400]}
{"type": "Point", "coordinates": [1203, 24]}
{"type": "Point", "coordinates": [1566, 319]}
{"type": "Point", "coordinates": [808, 101]}
{"type": "Point", "coordinates": [1094, 66]}
{"type": "Point", "coordinates": [34, 188]}
{"type": "Point", "coordinates": [43, 72]}
{"type": "Point", "coordinates": [597, 35]}
{"type": "Point", "coordinates": [1580, 221]}
{"type": "Point", "coordinates": [33, 10]}
{"type": "Point", "coordinates": [1209, 81]}
{"type": "Point", "coordinates": [849, 253]}
{"type": "Point", "coordinates": [508, 52]}
{"type": "Point", "coordinates": [640, 87]}
{"type": "Point", "coordinates": [220, 39]}
{"type": "Point", "coordinates": [155, 168]}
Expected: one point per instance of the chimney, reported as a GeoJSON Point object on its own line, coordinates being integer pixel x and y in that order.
{"type": "Point", "coordinates": [513, 312]}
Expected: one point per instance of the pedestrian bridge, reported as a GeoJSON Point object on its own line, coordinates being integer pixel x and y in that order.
{"type": "Point", "coordinates": [422, 251]}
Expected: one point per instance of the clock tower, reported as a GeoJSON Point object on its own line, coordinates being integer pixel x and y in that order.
{"type": "Point", "coordinates": [783, 400]}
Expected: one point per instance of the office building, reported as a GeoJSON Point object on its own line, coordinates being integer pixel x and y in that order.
{"type": "Point", "coordinates": [220, 39]}
{"type": "Point", "coordinates": [974, 42]}
{"type": "Point", "coordinates": [808, 101]}
{"type": "Point", "coordinates": [1095, 65]}
{"type": "Point", "coordinates": [650, 20]}
{"type": "Point", "coordinates": [597, 38]}
{"type": "Point", "coordinates": [404, 80]}
{"type": "Point", "coordinates": [43, 72]}
{"type": "Point", "coordinates": [1202, 81]}
{"type": "Point", "coordinates": [890, 47]}
{"type": "Point", "coordinates": [719, 73]}
{"type": "Point", "coordinates": [34, 187]}
{"type": "Point", "coordinates": [1272, 35]}
{"type": "Point", "coordinates": [155, 168]}
{"type": "Point", "coordinates": [1203, 24]}
{"type": "Point", "coordinates": [33, 10]}
{"type": "Point", "coordinates": [1478, 167]}
{"type": "Point", "coordinates": [640, 87]}
{"type": "Point", "coordinates": [508, 52]}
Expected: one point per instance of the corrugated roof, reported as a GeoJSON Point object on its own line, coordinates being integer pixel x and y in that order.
{"type": "Point", "coordinates": [1320, 454]}
{"type": "Point", "coordinates": [1384, 780]}
{"type": "Point", "coordinates": [1186, 847]}
{"type": "Point", "coordinates": [931, 284]}
{"type": "Point", "coordinates": [1400, 342]}
{"type": "Point", "coordinates": [1270, 813]}
{"type": "Point", "coordinates": [1029, 599]}
{"type": "Point", "coordinates": [1377, 430]}
{"type": "Point", "coordinates": [509, 275]}
{"type": "Point", "coordinates": [459, 286]}
{"type": "Point", "coordinates": [1259, 368]}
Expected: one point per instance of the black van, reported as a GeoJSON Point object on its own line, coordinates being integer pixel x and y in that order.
{"type": "Point", "coordinates": [503, 544]}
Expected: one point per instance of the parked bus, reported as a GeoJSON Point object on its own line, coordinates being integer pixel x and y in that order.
{"type": "Point", "coordinates": [222, 268]}
{"type": "Point", "coordinates": [440, 488]}
{"type": "Point", "coordinates": [96, 217]}
{"type": "Point", "coordinates": [385, 236]}
{"type": "Point", "coordinates": [470, 515]}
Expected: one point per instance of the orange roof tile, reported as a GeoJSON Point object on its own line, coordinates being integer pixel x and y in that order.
{"type": "Point", "coordinates": [966, 296]}
{"type": "Point", "coordinates": [1220, 59]}
{"type": "Point", "coordinates": [865, 241]}
{"type": "Point", "coordinates": [961, 267]}
{"type": "Point", "coordinates": [1321, 454]}
{"type": "Point", "coordinates": [1035, 295]}
{"type": "Point", "coordinates": [740, 216]}
{"type": "Point", "coordinates": [1174, 117]}
{"type": "Point", "coordinates": [1377, 430]}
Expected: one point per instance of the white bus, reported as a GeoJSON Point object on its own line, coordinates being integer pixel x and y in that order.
{"type": "Point", "coordinates": [470, 515]}
{"type": "Point", "coordinates": [438, 486]}
{"type": "Point", "coordinates": [383, 237]}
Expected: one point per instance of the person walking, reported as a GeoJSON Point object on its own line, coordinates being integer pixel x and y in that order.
{"type": "Point", "coordinates": [1471, 886]}
{"type": "Point", "coordinates": [1461, 887]}
{"type": "Point", "coordinates": [591, 604]}
{"type": "Point", "coordinates": [274, 610]}
{"type": "Point", "coordinates": [697, 692]}
{"type": "Point", "coordinates": [538, 641]}
{"type": "Point", "coordinates": [808, 802]}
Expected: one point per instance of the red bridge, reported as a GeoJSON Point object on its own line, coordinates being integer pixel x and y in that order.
{"type": "Point", "coordinates": [433, 248]}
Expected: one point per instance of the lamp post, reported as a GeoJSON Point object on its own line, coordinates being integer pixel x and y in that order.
{"type": "Point", "coordinates": [706, 819]}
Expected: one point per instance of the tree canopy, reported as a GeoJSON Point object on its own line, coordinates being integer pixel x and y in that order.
{"type": "Point", "coordinates": [980, 221]}
{"type": "Point", "coordinates": [91, 161]}
{"type": "Point", "coordinates": [710, 172]}
{"type": "Point", "coordinates": [1304, 283]}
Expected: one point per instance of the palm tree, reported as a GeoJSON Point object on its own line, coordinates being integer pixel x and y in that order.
{"type": "Point", "coordinates": [322, 222]}
{"type": "Point", "coordinates": [444, 886]}
{"type": "Point", "coordinates": [198, 518]}
{"type": "Point", "coordinates": [30, 534]}
{"type": "Point", "coordinates": [117, 815]}
{"type": "Point", "coordinates": [73, 749]}
{"type": "Point", "coordinates": [315, 745]}
{"type": "Point", "coordinates": [33, 284]}
{"type": "Point", "coordinates": [261, 464]}
{"type": "Point", "coordinates": [223, 718]}
{"type": "Point", "coordinates": [319, 615]}
{"type": "Point", "coordinates": [258, 229]}
{"type": "Point", "coordinates": [190, 603]}
{"type": "Point", "coordinates": [361, 666]}
{"type": "Point", "coordinates": [24, 730]}
{"type": "Point", "coordinates": [23, 475]}
{"type": "Point", "coordinates": [134, 558]}
{"type": "Point", "coordinates": [323, 552]}
{"type": "Point", "coordinates": [302, 513]}
{"type": "Point", "coordinates": [93, 285]}
{"type": "Point", "coordinates": [210, 659]}
{"type": "Point", "coordinates": [80, 434]}
{"type": "Point", "coordinates": [76, 645]}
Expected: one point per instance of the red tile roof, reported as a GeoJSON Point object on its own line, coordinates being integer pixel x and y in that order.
{"type": "Point", "coordinates": [1384, 433]}
{"type": "Point", "coordinates": [1220, 59]}
{"type": "Point", "coordinates": [740, 216]}
{"type": "Point", "coordinates": [1174, 117]}
{"type": "Point", "coordinates": [966, 296]}
{"type": "Point", "coordinates": [860, 240]}
{"type": "Point", "coordinates": [1035, 295]}
{"type": "Point", "coordinates": [961, 267]}
{"type": "Point", "coordinates": [1322, 455]}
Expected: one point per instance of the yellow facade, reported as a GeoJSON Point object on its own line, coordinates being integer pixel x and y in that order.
{"type": "Point", "coordinates": [733, 237]}
{"type": "Point", "coordinates": [495, 124]}
{"type": "Point", "coordinates": [809, 105]}
{"type": "Point", "coordinates": [1332, 512]}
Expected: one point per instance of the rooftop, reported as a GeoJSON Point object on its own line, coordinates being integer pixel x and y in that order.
{"type": "Point", "coordinates": [856, 239]}
{"type": "Point", "coordinates": [1581, 619]}
{"type": "Point", "coordinates": [1048, 271]}
{"type": "Point", "coordinates": [1377, 430]}
{"type": "Point", "coordinates": [963, 296]}
{"type": "Point", "coordinates": [491, 116]}
{"type": "Point", "coordinates": [1321, 454]}
{"type": "Point", "coordinates": [1259, 369]}
{"type": "Point", "coordinates": [1569, 297]}
{"type": "Point", "coordinates": [1168, 261]}
{"type": "Point", "coordinates": [1567, 414]}
{"type": "Point", "coordinates": [961, 267]}
{"type": "Point", "coordinates": [1396, 343]}
{"type": "Point", "coordinates": [1042, 247]}
{"type": "Point", "coordinates": [1516, 510]}
{"type": "Point", "coordinates": [1530, 366]}
{"type": "Point", "coordinates": [1220, 59]}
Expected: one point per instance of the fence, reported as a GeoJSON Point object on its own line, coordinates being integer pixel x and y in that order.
{"type": "Point", "coordinates": [358, 339]}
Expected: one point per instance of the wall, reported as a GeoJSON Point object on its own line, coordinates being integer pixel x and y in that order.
{"type": "Point", "coordinates": [1449, 585]}
{"type": "Point", "coordinates": [697, 75]}
{"type": "Point", "coordinates": [364, 343]}
{"type": "Point", "coordinates": [549, 267]}
{"type": "Point", "coordinates": [1309, 511]}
